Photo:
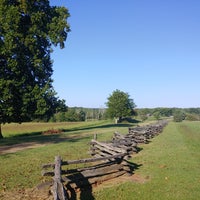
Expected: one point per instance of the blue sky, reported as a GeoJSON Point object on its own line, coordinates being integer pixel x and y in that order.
{"type": "Point", "coordinates": [147, 48]}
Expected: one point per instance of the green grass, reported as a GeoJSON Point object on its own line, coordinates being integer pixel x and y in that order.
{"type": "Point", "coordinates": [15, 129]}
{"type": "Point", "coordinates": [30, 132]}
{"type": "Point", "coordinates": [170, 163]}
{"type": "Point", "coordinates": [23, 169]}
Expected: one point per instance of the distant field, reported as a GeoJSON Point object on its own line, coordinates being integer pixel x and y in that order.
{"type": "Point", "coordinates": [14, 129]}
{"type": "Point", "coordinates": [168, 165]}
{"type": "Point", "coordinates": [30, 132]}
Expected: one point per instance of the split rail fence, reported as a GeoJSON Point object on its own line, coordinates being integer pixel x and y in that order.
{"type": "Point", "coordinates": [109, 160]}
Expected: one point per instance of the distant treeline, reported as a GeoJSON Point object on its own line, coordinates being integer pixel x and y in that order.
{"type": "Point", "coordinates": [74, 114]}
{"type": "Point", "coordinates": [179, 114]}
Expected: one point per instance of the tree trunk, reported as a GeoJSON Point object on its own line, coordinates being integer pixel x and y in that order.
{"type": "Point", "coordinates": [116, 120]}
{"type": "Point", "coordinates": [1, 136]}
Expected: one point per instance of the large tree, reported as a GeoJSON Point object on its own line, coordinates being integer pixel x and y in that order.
{"type": "Point", "coordinates": [120, 105]}
{"type": "Point", "coordinates": [28, 29]}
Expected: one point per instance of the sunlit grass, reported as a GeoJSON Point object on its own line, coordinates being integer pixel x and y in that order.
{"type": "Point", "coordinates": [171, 163]}
{"type": "Point", "coordinates": [14, 129]}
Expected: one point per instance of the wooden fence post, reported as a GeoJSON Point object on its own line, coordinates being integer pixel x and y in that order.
{"type": "Point", "coordinates": [58, 189]}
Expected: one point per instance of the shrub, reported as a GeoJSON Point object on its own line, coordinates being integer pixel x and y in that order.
{"type": "Point", "coordinates": [179, 116]}
{"type": "Point", "coordinates": [192, 117]}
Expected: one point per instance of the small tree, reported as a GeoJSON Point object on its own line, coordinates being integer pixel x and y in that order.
{"type": "Point", "coordinates": [179, 116]}
{"type": "Point", "coordinates": [143, 113]}
{"type": "Point", "coordinates": [120, 105]}
{"type": "Point", "coordinates": [143, 117]}
{"type": "Point", "coordinates": [157, 115]}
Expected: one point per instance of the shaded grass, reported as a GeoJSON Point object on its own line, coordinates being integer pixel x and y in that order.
{"type": "Point", "coordinates": [15, 129]}
{"type": "Point", "coordinates": [15, 133]}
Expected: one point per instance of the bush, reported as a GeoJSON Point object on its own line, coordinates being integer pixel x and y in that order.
{"type": "Point", "coordinates": [179, 116]}
{"type": "Point", "coordinates": [192, 117]}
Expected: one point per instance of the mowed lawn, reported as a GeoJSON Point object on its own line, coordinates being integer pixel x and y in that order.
{"type": "Point", "coordinates": [169, 166]}
{"type": "Point", "coordinates": [23, 169]}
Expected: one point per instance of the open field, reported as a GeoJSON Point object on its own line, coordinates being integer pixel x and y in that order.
{"type": "Point", "coordinates": [168, 167]}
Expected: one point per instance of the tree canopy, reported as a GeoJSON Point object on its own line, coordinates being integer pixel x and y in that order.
{"type": "Point", "coordinates": [179, 116]}
{"type": "Point", "coordinates": [120, 105]}
{"type": "Point", "coordinates": [28, 29]}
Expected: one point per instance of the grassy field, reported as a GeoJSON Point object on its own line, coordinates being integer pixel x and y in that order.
{"type": "Point", "coordinates": [23, 168]}
{"type": "Point", "coordinates": [169, 164]}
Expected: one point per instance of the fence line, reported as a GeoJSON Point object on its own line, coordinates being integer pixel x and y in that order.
{"type": "Point", "coordinates": [110, 160]}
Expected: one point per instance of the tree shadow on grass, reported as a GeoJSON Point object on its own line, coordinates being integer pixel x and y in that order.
{"type": "Point", "coordinates": [39, 138]}
{"type": "Point", "coordinates": [34, 136]}
{"type": "Point", "coordinates": [31, 139]}
{"type": "Point", "coordinates": [100, 126]}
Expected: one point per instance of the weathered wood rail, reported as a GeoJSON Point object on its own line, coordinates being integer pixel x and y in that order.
{"type": "Point", "coordinates": [110, 160]}
{"type": "Point", "coordinates": [66, 181]}
{"type": "Point", "coordinates": [142, 134]}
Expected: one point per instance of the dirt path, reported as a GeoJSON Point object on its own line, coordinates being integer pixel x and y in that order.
{"type": "Point", "coordinates": [31, 145]}
{"type": "Point", "coordinates": [19, 147]}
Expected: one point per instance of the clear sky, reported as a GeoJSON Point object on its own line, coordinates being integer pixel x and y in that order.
{"type": "Point", "coordinates": [147, 48]}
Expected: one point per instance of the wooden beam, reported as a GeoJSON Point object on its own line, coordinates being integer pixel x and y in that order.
{"type": "Point", "coordinates": [87, 160]}
{"type": "Point", "coordinates": [117, 150]}
{"type": "Point", "coordinates": [96, 180]}
{"type": "Point", "coordinates": [58, 189]}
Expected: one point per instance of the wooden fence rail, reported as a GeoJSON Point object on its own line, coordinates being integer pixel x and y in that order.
{"type": "Point", "coordinates": [64, 180]}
